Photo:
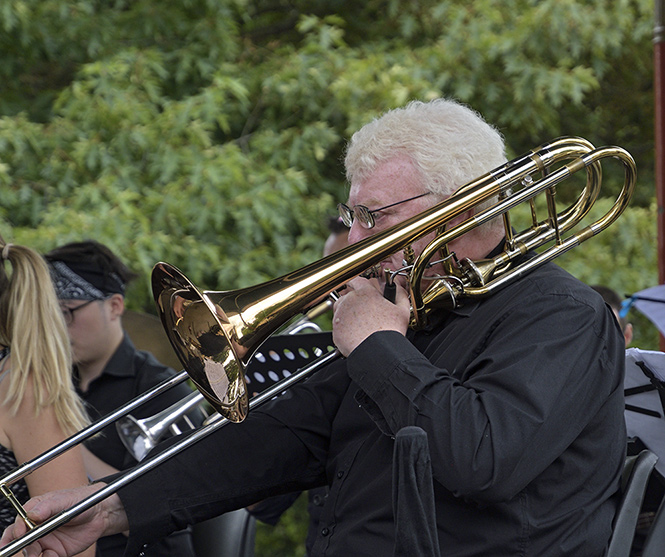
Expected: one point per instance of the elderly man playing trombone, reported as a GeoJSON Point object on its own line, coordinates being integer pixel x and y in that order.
{"type": "Point", "coordinates": [520, 393]}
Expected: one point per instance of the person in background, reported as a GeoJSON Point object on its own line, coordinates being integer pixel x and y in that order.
{"type": "Point", "coordinates": [39, 407]}
{"type": "Point", "coordinates": [613, 300]}
{"type": "Point", "coordinates": [338, 236]}
{"type": "Point", "coordinates": [90, 281]}
{"type": "Point", "coordinates": [519, 395]}
{"type": "Point", "coordinates": [638, 428]}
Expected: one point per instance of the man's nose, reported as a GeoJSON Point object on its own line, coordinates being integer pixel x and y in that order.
{"type": "Point", "coordinates": [357, 232]}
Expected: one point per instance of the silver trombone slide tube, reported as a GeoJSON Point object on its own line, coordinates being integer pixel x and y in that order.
{"type": "Point", "coordinates": [152, 462]}
{"type": "Point", "coordinates": [97, 426]}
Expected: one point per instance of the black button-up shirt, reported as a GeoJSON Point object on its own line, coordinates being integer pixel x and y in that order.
{"type": "Point", "coordinates": [521, 397]}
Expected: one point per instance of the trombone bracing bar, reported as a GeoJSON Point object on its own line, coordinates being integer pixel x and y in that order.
{"type": "Point", "coordinates": [147, 465]}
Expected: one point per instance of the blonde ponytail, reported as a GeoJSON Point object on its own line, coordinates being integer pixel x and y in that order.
{"type": "Point", "coordinates": [32, 325]}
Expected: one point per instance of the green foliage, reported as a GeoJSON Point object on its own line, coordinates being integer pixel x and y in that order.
{"type": "Point", "coordinates": [623, 257]}
{"type": "Point", "coordinates": [210, 133]}
{"type": "Point", "coordinates": [287, 537]}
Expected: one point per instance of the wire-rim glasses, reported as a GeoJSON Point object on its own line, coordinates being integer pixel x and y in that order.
{"type": "Point", "coordinates": [364, 215]}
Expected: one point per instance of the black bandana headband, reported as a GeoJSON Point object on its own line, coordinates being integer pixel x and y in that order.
{"type": "Point", "coordinates": [82, 281]}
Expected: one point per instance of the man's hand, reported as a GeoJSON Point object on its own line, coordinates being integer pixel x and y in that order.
{"type": "Point", "coordinates": [362, 310]}
{"type": "Point", "coordinates": [107, 517]}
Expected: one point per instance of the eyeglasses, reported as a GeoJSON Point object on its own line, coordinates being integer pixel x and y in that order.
{"type": "Point", "coordinates": [68, 313]}
{"type": "Point", "coordinates": [364, 215]}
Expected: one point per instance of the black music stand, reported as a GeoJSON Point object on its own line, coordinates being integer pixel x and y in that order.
{"type": "Point", "coordinates": [644, 388]}
{"type": "Point", "coordinates": [281, 356]}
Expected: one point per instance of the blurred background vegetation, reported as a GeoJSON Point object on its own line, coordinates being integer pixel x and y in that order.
{"type": "Point", "coordinates": [209, 133]}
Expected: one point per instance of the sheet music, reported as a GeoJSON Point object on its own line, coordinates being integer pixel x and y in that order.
{"type": "Point", "coordinates": [654, 360]}
{"type": "Point", "coordinates": [650, 429]}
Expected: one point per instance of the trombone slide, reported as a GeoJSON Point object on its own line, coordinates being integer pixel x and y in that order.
{"type": "Point", "coordinates": [68, 514]}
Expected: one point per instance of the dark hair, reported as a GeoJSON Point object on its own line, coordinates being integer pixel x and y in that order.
{"type": "Point", "coordinates": [336, 226]}
{"type": "Point", "coordinates": [94, 253]}
{"type": "Point", "coordinates": [612, 299]}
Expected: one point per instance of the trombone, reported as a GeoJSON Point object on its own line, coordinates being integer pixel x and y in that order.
{"type": "Point", "coordinates": [53, 523]}
{"type": "Point", "coordinates": [215, 333]}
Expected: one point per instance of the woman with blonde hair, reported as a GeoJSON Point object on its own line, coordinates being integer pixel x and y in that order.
{"type": "Point", "coordinates": [38, 404]}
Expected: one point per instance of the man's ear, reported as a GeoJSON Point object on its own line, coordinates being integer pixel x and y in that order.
{"type": "Point", "coordinates": [628, 334]}
{"type": "Point", "coordinates": [117, 305]}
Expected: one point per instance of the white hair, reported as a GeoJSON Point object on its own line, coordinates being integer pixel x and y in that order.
{"type": "Point", "coordinates": [449, 143]}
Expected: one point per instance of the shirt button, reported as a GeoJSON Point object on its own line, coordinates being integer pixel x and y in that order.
{"type": "Point", "coordinates": [340, 474]}
{"type": "Point", "coordinates": [325, 532]}
{"type": "Point", "coordinates": [317, 500]}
